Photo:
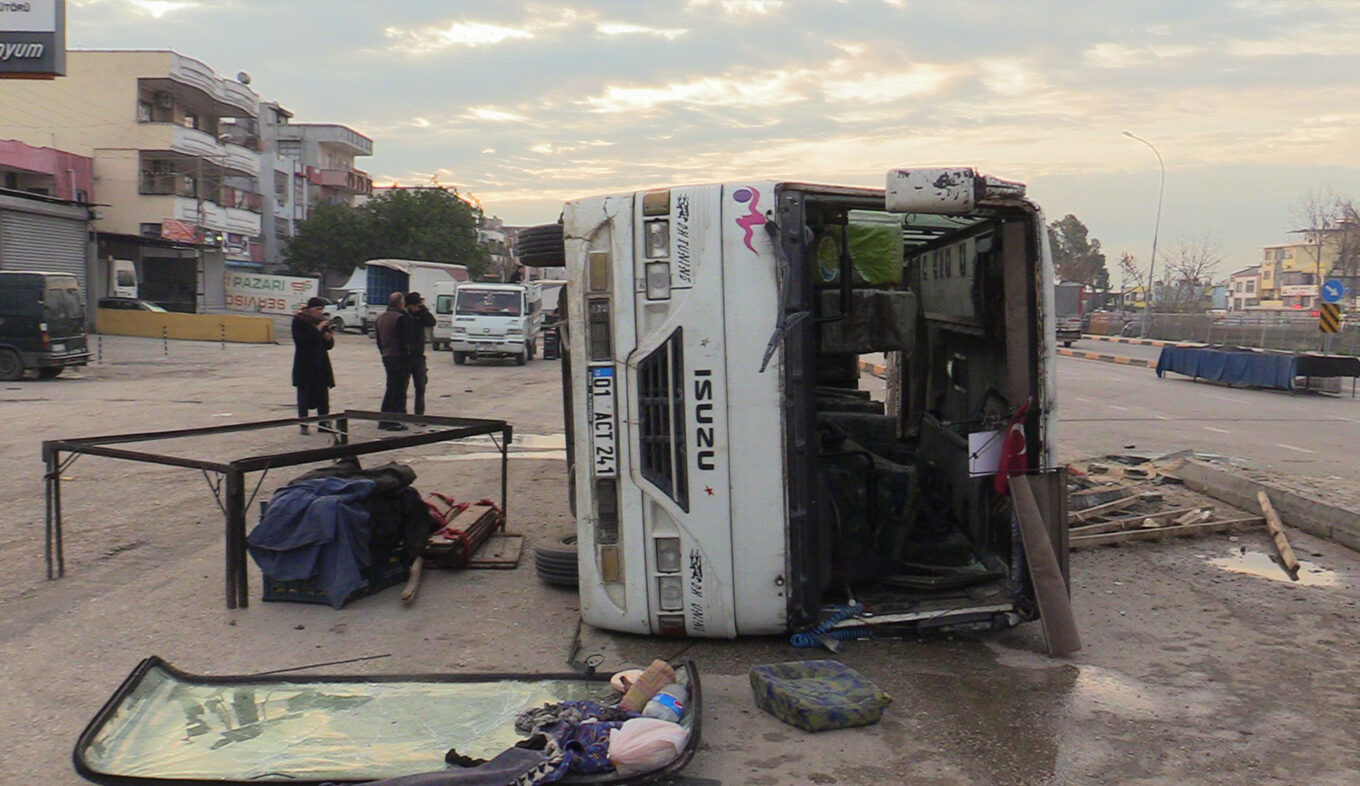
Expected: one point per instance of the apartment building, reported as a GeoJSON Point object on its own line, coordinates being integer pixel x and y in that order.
{"type": "Point", "coordinates": [176, 156]}
{"type": "Point", "coordinates": [309, 163]}
{"type": "Point", "coordinates": [1291, 273]}
{"type": "Point", "coordinates": [1244, 289]}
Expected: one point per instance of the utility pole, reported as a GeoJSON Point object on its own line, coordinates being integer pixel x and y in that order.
{"type": "Point", "coordinates": [1156, 230]}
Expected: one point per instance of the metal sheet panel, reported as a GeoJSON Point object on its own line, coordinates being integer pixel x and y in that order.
{"type": "Point", "coordinates": [29, 241]}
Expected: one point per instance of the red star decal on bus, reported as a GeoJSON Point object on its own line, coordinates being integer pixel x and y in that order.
{"type": "Point", "coordinates": [708, 490]}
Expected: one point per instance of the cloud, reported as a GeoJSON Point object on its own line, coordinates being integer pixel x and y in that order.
{"type": "Point", "coordinates": [755, 90]}
{"type": "Point", "coordinates": [159, 8]}
{"type": "Point", "coordinates": [470, 34]}
{"type": "Point", "coordinates": [920, 80]}
{"type": "Point", "coordinates": [494, 115]}
{"type": "Point", "coordinates": [741, 7]}
{"type": "Point", "coordinates": [614, 29]}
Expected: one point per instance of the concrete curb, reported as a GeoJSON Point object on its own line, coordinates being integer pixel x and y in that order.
{"type": "Point", "coordinates": [1144, 342]}
{"type": "Point", "coordinates": [1128, 361]}
{"type": "Point", "coordinates": [1333, 522]}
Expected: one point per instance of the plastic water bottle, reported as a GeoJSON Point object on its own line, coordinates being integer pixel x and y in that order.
{"type": "Point", "coordinates": [668, 704]}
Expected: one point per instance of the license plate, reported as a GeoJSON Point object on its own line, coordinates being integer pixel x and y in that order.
{"type": "Point", "coordinates": [58, 347]}
{"type": "Point", "coordinates": [603, 430]}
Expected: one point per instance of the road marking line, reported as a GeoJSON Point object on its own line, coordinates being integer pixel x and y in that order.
{"type": "Point", "coordinates": [1082, 400]}
{"type": "Point", "coordinates": [1161, 417]}
{"type": "Point", "coordinates": [1219, 430]}
{"type": "Point", "coordinates": [1348, 420]}
{"type": "Point", "coordinates": [1291, 447]}
{"type": "Point", "coordinates": [1116, 406]}
{"type": "Point", "coordinates": [1226, 398]}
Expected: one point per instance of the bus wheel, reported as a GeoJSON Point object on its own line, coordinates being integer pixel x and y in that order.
{"type": "Point", "coordinates": [555, 563]}
{"type": "Point", "coordinates": [11, 365]}
{"type": "Point", "coordinates": [459, 358]}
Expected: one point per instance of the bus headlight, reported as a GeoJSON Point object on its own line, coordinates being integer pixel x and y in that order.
{"type": "Point", "coordinates": [657, 238]}
{"type": "Point", "coordinates": [658, 280]}
{"type": "Point", "coordinates": [671, 591]}
{"type": "Point", "coordinates": [668, 555]}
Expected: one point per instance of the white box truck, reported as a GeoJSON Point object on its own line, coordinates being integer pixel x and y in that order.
{"type": "Point", "coordinates": [733, 469]}
{"type": "Point", "coordinates": [361, 308]}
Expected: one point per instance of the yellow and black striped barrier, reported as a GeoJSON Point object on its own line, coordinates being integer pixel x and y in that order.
{"type": "Point", "coordinates": [1329, 318]}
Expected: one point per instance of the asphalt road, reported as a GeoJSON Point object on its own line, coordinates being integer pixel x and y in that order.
{"type": "Point", "coordinates": [1192, 671]}
{"type": "Point", "coordinates": [1105, 406]}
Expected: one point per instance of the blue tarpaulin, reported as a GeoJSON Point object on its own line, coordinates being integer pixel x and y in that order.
{"type": "Point", "coordinates": [1257, 369]}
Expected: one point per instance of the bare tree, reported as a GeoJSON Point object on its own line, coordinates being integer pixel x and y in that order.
{"type": "Point", "coordinates": [1189, 275]}
{"type": "Point", "coordinates": [1330, 226]}
{"type": "Point", "coordinates": [1134, 276]}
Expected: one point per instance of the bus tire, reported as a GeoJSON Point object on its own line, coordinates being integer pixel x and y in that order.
{"type": "Point", "coordinates": [11, 365]}
{"type": "Point", "coordinates": [555, 563]}
{"type": "Point", "coordinates": [541, 246]}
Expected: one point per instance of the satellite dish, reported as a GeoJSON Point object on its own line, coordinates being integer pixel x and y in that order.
{"type": "Point", "coordinates": [243, 78]}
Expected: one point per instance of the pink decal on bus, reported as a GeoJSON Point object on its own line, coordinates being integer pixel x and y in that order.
{"type": "Point", "coordinates": [752, 219]}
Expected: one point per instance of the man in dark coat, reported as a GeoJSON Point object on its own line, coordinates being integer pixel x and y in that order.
{"type": "Point", "coordinates": [421, 318]}
{"type": "Point", "coordinates": [394, 328]}
{"type": "Point", "coordinates": [312, 375]}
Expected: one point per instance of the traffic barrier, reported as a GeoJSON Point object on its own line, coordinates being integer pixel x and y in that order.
{"type": "Point", "coordinates": [238, 328]}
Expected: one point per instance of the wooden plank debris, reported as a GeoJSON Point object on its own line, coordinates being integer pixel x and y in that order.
{"type": "Point", "coordinates": [1088, 514]}
{"type": "Point", "coordinates": [1140, 520]}
{"type": "Point", "coordinates": [1291, 563]}
{"type": "Point", "coordinates": [1157, 533]}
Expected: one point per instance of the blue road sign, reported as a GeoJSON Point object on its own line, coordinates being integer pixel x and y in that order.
{"type": "Point", "coordinates": [1332, 290]}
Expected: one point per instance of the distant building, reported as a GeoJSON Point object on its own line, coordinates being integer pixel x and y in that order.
{"type": "Point", "coordinates": [1244, 288]}
{"type": "Point", "coordinates": [45, 197]}
{"type": "Point", "coordinates": [1292, 273]}
{"type": "Point", "coordinates": [175, 157]}
{"type": "Point", "coordinates": [309, 163]}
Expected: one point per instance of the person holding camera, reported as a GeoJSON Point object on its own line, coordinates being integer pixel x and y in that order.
{"type": "Point", "coordinates": [312, 374]}
{"type": "Point", "coordinates": [421, 318]}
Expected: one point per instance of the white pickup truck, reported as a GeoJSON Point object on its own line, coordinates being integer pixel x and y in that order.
{"type": "Point", "coordinates": [491, 320]}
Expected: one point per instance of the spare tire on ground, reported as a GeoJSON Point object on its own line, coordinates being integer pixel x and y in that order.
{"type": "Point", "coordinates": [555, 563]}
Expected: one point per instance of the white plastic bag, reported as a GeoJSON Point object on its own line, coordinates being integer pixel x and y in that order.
{"type": "Point", "coordinates": [644, 744]}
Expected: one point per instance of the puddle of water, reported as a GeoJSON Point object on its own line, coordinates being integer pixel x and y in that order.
{"type": "Point", "coordinates": [1257, 563]}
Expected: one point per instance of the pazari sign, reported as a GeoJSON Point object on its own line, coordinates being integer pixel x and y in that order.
{"type": "Point", "coordinates": [261, 294]}
{"type": "Point", "coordinates": [32, 39]}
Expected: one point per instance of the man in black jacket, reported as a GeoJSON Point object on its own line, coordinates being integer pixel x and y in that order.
{"type": "Point", "coordinates": [312, 375]}
{"type": "Point", "coordinates": [394, 328]}
{"type": "Point", "coordinates": [421, 318]}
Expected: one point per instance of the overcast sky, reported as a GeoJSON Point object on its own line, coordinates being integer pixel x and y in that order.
{"type": "Point", "coordinates": [1251, 104]}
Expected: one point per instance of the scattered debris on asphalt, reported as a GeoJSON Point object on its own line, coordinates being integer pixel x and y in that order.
{"type": "Point", "coordinates": [1126, 497]}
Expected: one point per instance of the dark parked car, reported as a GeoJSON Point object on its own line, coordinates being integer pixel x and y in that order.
{"type": "Point", "coordinates": [128, 304]}
{"type": "Point", "coordinates": [42, 324]}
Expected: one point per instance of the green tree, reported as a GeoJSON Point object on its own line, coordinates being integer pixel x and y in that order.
{"type": "Point", "coordinates": [431, 224]}
{"type": "Point", "coordinates": [1077, 255]}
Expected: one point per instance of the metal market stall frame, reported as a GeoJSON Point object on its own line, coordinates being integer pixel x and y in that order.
{"type": "Point", "coordinates": [230, 488]}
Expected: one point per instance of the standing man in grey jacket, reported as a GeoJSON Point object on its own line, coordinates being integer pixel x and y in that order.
{"type": "Point", "coordinates": [394, 328]}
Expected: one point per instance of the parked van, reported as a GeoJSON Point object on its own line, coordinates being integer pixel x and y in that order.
{"type": "Point", "coordinates": [42, 324]}
{"type": "Point", "coordinates": [496, 320]}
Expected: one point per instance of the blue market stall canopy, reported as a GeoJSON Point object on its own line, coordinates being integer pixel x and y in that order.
{"type": "Point", "coordinates": [1257, 369]}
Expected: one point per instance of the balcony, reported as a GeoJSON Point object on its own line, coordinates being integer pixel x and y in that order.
{"type": "Point", "coordinates": [332, 134]}
{"type": "Point", "coordinates": [200, 144]}
{"type": "Point", "coordinates": [217, 218]}
{"type": "Point", "coordinates": [230, 93]}
{"type": "Point", "coordinates": [352, 181]}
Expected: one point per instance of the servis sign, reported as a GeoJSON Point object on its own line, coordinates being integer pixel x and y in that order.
{"type": "Point", "coordinates": [32, 39]}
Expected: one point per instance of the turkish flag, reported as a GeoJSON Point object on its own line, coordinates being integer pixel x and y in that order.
{"type": "Point", "coordinates": [1013, 450]}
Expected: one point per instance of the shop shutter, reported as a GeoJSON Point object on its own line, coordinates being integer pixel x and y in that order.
{"type": "Point", "coordinates": [29, 241]}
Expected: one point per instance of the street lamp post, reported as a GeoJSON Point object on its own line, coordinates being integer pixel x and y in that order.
{"type": "Point", "coordinates": [1156, 230]}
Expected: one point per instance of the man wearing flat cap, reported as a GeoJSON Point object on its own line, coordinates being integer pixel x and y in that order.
{"type": "Point", "coordinates": [421, 318]}
{"type": "Point", "coordinates": [312, 375]}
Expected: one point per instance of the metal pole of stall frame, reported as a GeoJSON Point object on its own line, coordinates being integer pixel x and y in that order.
{"type": "Point", "coordinates": [56, 564]}
{"type": "Point", "coordinates": [237, 589]}
{"type": "Point", "coordinates": [506, 435]}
